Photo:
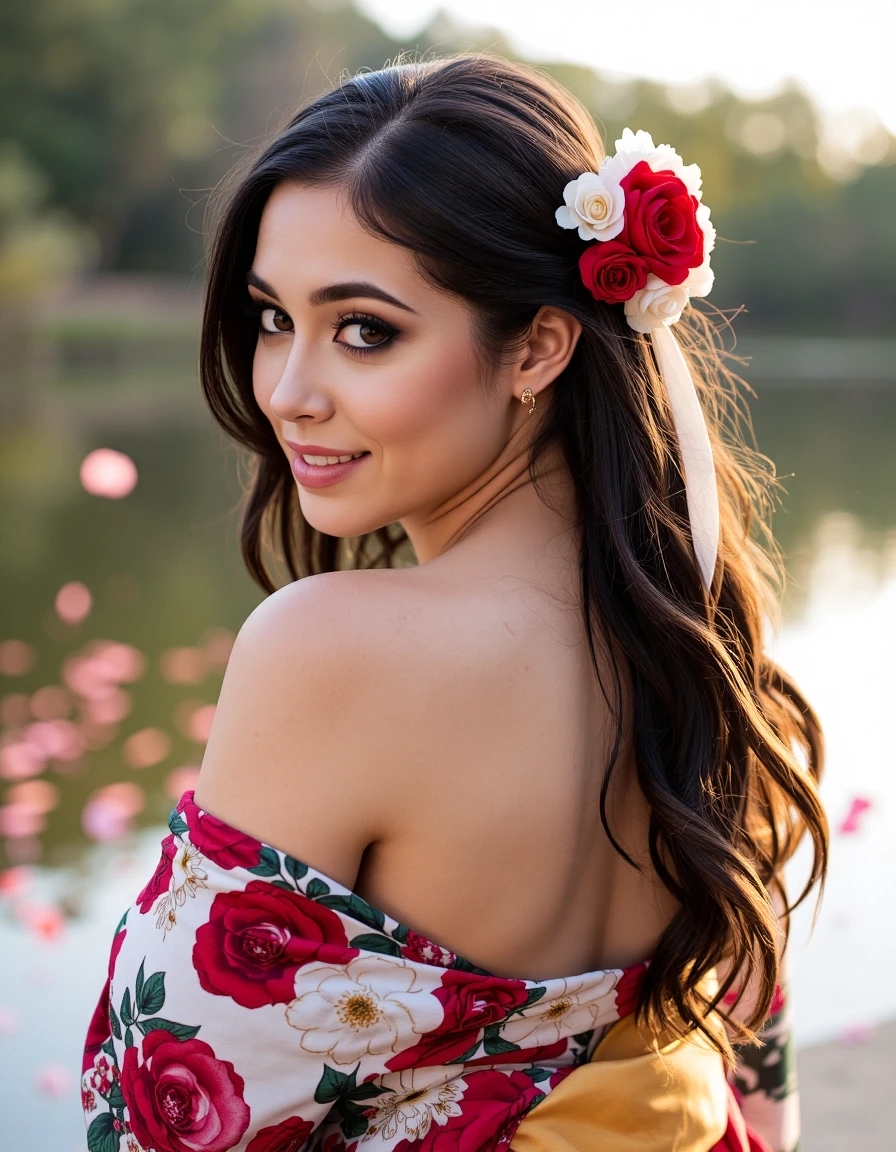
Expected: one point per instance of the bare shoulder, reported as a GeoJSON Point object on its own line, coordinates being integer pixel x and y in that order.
{"type": "Point", "coordinates": [305, 730]}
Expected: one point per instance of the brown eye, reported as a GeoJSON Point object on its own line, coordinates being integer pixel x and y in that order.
{"type": "Point", "coordinates": [275, 320]}
{"type": "Point", "coordinates": [364, 335]}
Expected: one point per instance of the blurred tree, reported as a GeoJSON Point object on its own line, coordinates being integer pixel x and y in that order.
{"type": "Point", "coordinates": [128, 112]}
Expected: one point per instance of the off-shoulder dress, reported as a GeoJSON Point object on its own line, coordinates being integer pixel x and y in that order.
{"type": "Point", "coordinates": [254, 1003]}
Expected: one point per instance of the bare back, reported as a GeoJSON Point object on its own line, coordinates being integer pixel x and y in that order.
{"type": "Point", "coordinates": [496, 847]}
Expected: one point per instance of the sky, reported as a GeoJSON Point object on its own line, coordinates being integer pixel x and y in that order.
{"type": "Point", "coordinates": [841, 53]}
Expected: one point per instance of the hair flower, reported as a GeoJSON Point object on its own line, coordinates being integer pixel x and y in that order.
{"type": "Point", "coordinates": [649, 233]}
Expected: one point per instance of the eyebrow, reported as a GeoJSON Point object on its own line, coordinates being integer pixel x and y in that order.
{"type": "Point", "coordinates": [333, 292]}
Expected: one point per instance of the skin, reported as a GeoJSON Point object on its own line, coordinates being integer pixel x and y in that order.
{"type": "Point", "coordinates": [432, 737]}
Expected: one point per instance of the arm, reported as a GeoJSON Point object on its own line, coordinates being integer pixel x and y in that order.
{"type": "Point", "coordinates": [292, 752]}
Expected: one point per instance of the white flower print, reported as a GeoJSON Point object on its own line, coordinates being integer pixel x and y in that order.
{"type": "Point", "coordinates": [371, 1005]}
{"type": "Point", "coordinates": [423, 1097]}
{"type": "Point", "coordinates": [576, 1006]}
{"type": "Point", "coordinates": [186, 880]}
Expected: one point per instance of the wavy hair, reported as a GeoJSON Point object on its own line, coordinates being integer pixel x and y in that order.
{"type": "Point", "coordinates": [463, 161]}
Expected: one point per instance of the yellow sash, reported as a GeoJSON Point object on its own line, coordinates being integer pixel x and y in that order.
{"type": "Point", "coordinates": [634, 1096]}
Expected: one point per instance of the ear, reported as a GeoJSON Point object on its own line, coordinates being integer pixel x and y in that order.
{"type": "Point", "coordinates": [552, 339]}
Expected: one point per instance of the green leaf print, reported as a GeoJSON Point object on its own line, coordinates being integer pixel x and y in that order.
{"type": "Point", "coordinates": [127, 1015]}
{"type": "Point", "coordinates": [101, 1135]}
{"type": "Point", "coordinates": [128, 1038]}
{"type": "Point", "coordinates": [317, 888]}
{"type": "Point", "coordinates": [176, 823]}
{"type": "Point", "coordinates": [269, 864]}
{"type": "Point", "coordinates": [495, 1046]}
{"type": "Point", "coordinates": [354, 1124]}
{"type": "Point", "coordinates": [334, 1084]}
{"type": "Point", "coordinates": [295, 868]}
{"type": "Point", "coordinates": [400, 933]}
{"type": "Point", "coordinates": [109, 1049]}
{"type": "Point", "coordinates": [282, 884]}
{"type": "Point", "coordinates": [114, 1023]}
{"type": "Point", "coordinates": [138, 985]}
{"type": "Point", "coordinates": [534, 995]}
{"type": "Point", "coordinates": [355, 907]}
{"type": "Point", "coordinates": [115, 1097]}
{"type": "Point", "coordinates": [538, 1074]}
{"type": "Point", "coordinates": [178, 1031]}
{"type": "Point", "coordinates": [151, 996]}
{"type": "Point", "coordinates": [374, 943]}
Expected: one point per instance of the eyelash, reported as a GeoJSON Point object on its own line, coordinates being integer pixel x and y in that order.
{"type": "Point", "coordinates": [255, 308]}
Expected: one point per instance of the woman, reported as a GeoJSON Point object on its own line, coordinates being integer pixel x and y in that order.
{"type": "Point", "coordinates": [486, 850]}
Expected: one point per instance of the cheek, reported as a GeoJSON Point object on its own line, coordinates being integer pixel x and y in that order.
{"type": "Point", "coordinates": [434, 422]}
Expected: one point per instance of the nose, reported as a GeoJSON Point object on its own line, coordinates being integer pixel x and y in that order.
{"type": "Point", "coordinates": [297, 392]}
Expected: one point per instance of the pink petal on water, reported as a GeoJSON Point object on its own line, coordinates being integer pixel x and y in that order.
{"type": "Point", "coordinates": [20, 820]}
{"type": "Point", "coordinates": [87, 678]}
{"type": "Point", "coordinates": [16, 657]}
{"type": "Point", "coordinates": [109, 812]}
{"type": "Point", "coordinates": [851, 822]}
{"type": "Point", "coordinates": [181, 780]}
{"type": "Point", "coordinates": [105, 820]}
{"type": "Point", "coordinates": [38, 795]}
{"type": "Point", "coordinates": [857, 1033]}
{"type": "Point", "coordinates": [19, 761]}
{"type": "Point", "coordinates": [110, 709]}
{"type": "Point", "coordinates": [106, 472]}
{"type": "Point", "coordinates": [54, 739]}
{"type": "Point", "coordinates": [55, 1080]}
{"type": "Point", "coordinates": [15, 709]}
{"type": "Point", "coordinates": [14, 881]}
{"type": "Point", "coordinates": [96, 735]}
{"type": "Point", "coordinates": [120, 662]}
{"type": "Point", "coordinates": [51, 702]}
{"type": "Point", "coordinates": [145, 748]}
{"type": "Point", "coordinates": [182, 665]}
{"type": "Point", "coordinates": [10, 1021]}
{"type": "Point", "coordinates": [198, 724]}
{"type": "Point", "coordinates": [73, 602]}
{"type": "Point", "coordinates": [44, 920]}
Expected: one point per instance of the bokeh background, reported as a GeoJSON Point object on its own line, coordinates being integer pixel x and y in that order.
{"type": "Point", "coordinates": [120, 580]}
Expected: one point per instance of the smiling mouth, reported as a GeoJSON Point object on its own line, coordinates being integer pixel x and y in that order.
{"type": "Point", "coordinates": [321, 460]}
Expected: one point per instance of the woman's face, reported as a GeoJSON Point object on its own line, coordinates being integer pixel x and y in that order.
{"type": "Point", "coordinates": [357, 353]}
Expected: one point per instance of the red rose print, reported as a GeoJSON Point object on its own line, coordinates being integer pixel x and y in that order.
{"type": "Point", "coordinates": [661, 222]}
{"type": "Point", "coordinates": [98, 1030]}
{"type": "Point", "coordinates": [612, 271]}
{"type": "Point", "coordinates": [418, 948]}
{"type": "Point", "coordinates": [288, 1136]}
{"type": "Point", "coordinates": [470, 1003]}
{"type": "Point", "coordinates": [256, 940]}
{"type": "Point", "coordinates": [628, 988]}
{"type": "Point", "coordinates": [181, 1098]}
{"type": "Point", "coordinates": [493, 1104]}
{"type": "Point", "coordinates": [161, 878]}
{"type": "Point", "coordinates": [226, 846]}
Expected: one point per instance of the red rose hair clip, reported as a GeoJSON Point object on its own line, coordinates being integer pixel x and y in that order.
{"type": "Point", "coordinates": [652, 239]}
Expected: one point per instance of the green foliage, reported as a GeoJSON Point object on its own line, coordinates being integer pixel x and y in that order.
{"type": "Point", "coordinates": [118, 116]}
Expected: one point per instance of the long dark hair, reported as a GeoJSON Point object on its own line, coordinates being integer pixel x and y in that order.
{"type": "Point", "coordinates": [463, 161]}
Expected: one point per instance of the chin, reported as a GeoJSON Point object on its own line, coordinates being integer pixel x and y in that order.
{"type": "Point", "coordinates": [349, 520]}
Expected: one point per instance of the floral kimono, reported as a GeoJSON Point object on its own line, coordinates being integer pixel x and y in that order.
{"type": "Point", "coordinates": [253, 1003]}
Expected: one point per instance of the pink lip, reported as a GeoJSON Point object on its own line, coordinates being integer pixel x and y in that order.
{"type": "Point", "coordinates": [321, 475]}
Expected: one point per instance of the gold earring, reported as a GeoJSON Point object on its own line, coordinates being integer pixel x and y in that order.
{"type": "Point", "coordinates": [528, 398]}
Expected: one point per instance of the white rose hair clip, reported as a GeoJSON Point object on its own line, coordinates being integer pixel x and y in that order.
{"type": "Point", "coordinates": [649, 243]}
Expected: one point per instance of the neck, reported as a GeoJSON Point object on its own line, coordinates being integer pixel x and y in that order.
{"type": "Point", "coordinates": [432, 533]}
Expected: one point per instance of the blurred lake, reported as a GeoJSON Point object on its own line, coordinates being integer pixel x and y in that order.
{"type": "Point", "coordinates": [163, 571]}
